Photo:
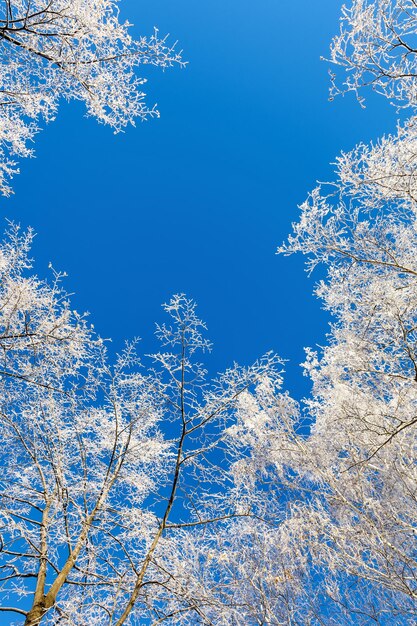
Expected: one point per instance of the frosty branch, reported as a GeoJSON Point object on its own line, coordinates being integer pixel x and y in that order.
{"type": "Point", "coordinates": [69, 49]}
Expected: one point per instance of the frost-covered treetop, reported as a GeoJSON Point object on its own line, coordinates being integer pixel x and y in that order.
{"type": "Point", "coordinates": [377, 47]}
{"type": "Point", "coordinates": [69, 49]}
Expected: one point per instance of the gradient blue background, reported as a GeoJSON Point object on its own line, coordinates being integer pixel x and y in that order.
{"type": "Point", "coordinates": [198, 200]}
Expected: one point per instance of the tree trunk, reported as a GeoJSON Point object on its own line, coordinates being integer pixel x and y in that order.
{"type": "Point", "coordinates": [35, 615]}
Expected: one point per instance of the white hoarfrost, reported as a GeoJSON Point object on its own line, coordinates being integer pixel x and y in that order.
{"type": "Point", "coordinates": [69, 49]}
{"type": "Point", "coordinates": [149, 495]}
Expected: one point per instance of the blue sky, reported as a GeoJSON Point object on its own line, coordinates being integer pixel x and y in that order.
{"type": "Point", "coordinates": [198, 200]}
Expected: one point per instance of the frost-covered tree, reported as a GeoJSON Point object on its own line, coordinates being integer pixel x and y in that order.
{"type": "Point", "coordinates": [356, 533]}
{"type": "Point", "coordinates": [68, 49]}
{"type": "Point", "coordinates": [147, 494]}
{"type": "Point", "coordinates": [127, 494]}
{"type": "Point", "coordinates": [361, 455]}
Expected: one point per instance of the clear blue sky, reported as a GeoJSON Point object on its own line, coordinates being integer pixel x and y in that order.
{"type": "Point", "coordinates": [197, 201]}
